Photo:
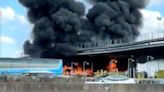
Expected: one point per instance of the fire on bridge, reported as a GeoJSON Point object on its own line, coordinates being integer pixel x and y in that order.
{"type": "Point", "coordinates": [139, 52]}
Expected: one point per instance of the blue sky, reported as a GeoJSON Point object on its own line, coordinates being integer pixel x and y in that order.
{"type": "Point", "coordinates": [156, 5]}
{"type": "Point", "coordinates": [15, 28]}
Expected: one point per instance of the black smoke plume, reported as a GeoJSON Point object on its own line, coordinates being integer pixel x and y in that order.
{"type": "Point", "coordinates": [60, 24]}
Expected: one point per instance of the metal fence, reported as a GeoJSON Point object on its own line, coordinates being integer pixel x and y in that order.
{"type": "Point", "coordinates": [110, 42]}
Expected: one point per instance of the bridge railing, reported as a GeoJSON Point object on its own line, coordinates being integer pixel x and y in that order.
{"type": "Point", "coordinates": [150, 36]}
{"type": "Point", "coordinates": [120, 41]}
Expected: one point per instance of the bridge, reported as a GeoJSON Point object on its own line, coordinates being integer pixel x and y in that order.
{"type": "Point", "coordinates": [150, 40]}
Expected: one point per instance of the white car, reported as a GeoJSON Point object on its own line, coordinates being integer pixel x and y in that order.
{"type": "Point", "coordinates": [113, 79]}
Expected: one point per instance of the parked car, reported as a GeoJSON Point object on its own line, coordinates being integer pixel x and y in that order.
{"type": "Point", "coordinates": [113, 79]}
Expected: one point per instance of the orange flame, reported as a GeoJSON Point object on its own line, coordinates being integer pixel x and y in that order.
{"type": "Point", "coordinates": [78, 70]}
{"type": "Point", "coordinates": [112, 66]}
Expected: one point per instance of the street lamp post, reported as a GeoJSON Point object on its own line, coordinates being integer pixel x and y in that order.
{"type": "Point", "coordinates": [131, 69]}
{"type": "Point", "coordinates": [158, 66]}
{"type": "Point", "coordinates": [92, 67]}
{"type": "Point", "coordinates": [84, 63]}
{"type": "Point", "coordinates": [159, 19]}
{"type": "Point", "coordinates": [72, 63]}
{"type": "Point", "coordinates": [149, 58]}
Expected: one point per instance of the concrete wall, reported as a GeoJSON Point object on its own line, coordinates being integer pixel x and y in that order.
{"type": "Point", "coordinates": [124, 88]}
{"type": "Point", "coordinates": [39, 87]}
{"type": "Point", "coordinates": [74, 87]}
{"type": "Point", "coordinates": [70, 85]}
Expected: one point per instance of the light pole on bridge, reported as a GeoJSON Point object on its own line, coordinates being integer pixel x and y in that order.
{"type": "Point", "coordinates": [159, 19]}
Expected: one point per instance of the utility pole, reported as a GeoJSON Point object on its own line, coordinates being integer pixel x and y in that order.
{"type": "Point", "coordinates": [159, 19]}
{"type": "Point", "coordinates": [72, 64]}
{"type": "Point", "coordinates": [149, 58]}
{"type": "Point", "coordinates": [84, 63]}
{"type": "Point", "coordinates": [131, 68]}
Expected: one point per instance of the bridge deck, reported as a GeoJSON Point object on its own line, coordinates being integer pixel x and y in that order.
{"type": "Point", "coordinates": [123, 47]}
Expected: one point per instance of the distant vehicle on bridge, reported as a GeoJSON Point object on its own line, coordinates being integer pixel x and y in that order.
{"type": "Point", "coordinates": [10, 66]}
